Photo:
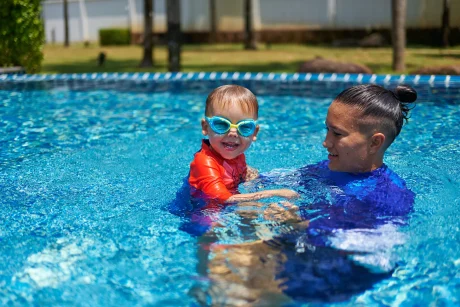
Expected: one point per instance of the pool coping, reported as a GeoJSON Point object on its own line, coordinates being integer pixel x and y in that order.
{"type": "Point", "coordinates": [431, 80]}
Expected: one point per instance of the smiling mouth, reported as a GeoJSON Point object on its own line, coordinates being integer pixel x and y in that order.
{"type": "Point", "coordinates": [230, 146]}
{"type": "Point", "coordinates": [333, 155]}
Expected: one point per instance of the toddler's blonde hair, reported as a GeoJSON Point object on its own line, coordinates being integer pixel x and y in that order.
{"type": "Point", "coordinates": [225, 95]}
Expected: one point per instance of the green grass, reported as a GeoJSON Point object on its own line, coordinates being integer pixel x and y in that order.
{"type": "Point", "coordinates": [232, 57]}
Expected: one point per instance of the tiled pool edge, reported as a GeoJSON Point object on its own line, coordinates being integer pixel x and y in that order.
{"type": "Point", "coordinates": [430, 80]}
{"type": "Point", "coordinates": [439, 89]}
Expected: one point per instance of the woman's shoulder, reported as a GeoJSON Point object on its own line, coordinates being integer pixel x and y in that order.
{"type": "Point", "coordinates": [389, 175]}
{"type": "Point", "coordinates": [391, 189]}
{"type": "Point", "coordinates": [320, 167]}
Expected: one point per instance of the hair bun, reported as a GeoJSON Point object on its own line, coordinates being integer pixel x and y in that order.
{"type": "Point", "coordinates": [405, 93]}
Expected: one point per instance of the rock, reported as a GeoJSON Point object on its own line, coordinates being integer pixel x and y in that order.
{"type": "Point", "coordinates": [346, 42]}
{"type": "Point", "coordinates": [438, 70]}
{"type": "Point", "coordinates": [12, 70]}
{"type": "Point", "coordinates": [372, 41]}
{"type": "Point", "coordinates": [319, 65]}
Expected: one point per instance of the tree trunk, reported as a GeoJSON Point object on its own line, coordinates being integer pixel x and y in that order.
{"type": "Point", "coordinates": [147, 60]}
{"type": "Point", "coordinates": [398, 33]}
{"type": "Point", "coordinates": [445, 30]}
{"type": "Point", "coordinates": [66, 24]}
{"type": "Point", "coordinates": [249, 37]}
{"type": "Point", "coordinates": [174, 34]}
{"type": "Point", "coordinates": [213, 21]}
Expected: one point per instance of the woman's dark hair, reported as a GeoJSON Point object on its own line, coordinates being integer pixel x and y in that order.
{"type": "Point", "coordinates": [389, 107]}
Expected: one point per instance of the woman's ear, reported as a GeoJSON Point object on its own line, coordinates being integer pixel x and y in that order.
{"type": "Point", "coordinates": [254, 136]}
{"type": "Point", "coordinates": [204, 127]}
{"type": "Point", "coordinates": [377, 141]}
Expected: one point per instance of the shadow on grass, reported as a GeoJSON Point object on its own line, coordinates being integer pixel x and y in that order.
{"type": "Point", "coordinates": [112, 65]}
{"type": "Point", "coordinates": [387, 68]}
{"type": "Point", "coordinates": [91, 66]}
{"type": "Point", "coordinates": [217, 49]}
{"type": "Point", "coordinates": [289, 67]}
{"type": "Point", "coordinates": [133, 66]}
{"type": "Point", "coordinates": [440, 55]}
{"type": "Point", "coordinates": [378, 68]}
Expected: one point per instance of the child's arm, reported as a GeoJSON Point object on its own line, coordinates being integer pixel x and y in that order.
{"type": "Point", "coordinates": [285, 193]}
{"type": "Point", "coordinates": [205, 176]}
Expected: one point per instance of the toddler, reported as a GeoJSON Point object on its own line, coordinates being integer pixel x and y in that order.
{"type": "Point", "coordinates": [220, 166]}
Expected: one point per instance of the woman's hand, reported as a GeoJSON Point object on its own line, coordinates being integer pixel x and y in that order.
{"type": "Point", "coordinates": [282, 212]}
{"type": "Point", "coordinates": [251, 174]}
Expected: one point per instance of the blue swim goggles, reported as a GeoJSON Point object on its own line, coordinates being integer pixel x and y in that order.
{"type": "Point", "coordinates": [221, 125]}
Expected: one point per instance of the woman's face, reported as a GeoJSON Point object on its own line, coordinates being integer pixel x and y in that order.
{"type": "Point", "coordinates": [350, 150]}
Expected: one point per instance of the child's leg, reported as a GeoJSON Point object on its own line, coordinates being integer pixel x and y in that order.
{"type": "Point", "coordinates": [204, 245]}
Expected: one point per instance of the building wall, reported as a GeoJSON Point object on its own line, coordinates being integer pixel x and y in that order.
{"type": "Point", "coordinates": [294, 14]}
{"type": "Point", "coordinates": [100, 14]}
{"type": "Point", "coordinates": [268, 15]}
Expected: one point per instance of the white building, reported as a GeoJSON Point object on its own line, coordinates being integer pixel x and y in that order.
{"type": "Point", "coordinates": [86, 17]}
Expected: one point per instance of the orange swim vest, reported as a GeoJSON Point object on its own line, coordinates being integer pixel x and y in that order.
{"type": "Point", "coordinates": [215, 176]}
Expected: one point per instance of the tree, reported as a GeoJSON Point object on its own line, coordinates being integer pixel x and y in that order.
{"type": "Point", "coordinates": [66, 24]}
{"type": "Point", "coordinates": [249, 37]}
{"type": "Point", "coordinates": [174, 34]}
{"type": "Point", "coordinates": [398, 33]}
{"type": "Point", "coordinates": [147, 60]}
{"type": "Point", "coordinates": [21, 34]}
{"type": "Point", "coordinates": [445, 28]}
{"type": "Point", "coordinates": [213, 21]}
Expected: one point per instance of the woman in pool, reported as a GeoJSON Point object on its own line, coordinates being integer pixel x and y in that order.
{"type": "Point", "coordinates": [362, 122]}
{"type": "Point", "coordinates": [365, 200]}
{"type": "Point", "coordinates": [357, 200]}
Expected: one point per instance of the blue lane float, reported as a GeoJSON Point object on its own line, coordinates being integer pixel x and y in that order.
{"type": "Point", "coordinates": [302, 84]}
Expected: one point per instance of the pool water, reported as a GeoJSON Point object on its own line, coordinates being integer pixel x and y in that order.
{"type": "Point", "coordinates": [86, 176]}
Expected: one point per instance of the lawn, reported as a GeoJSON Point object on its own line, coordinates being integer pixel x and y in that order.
{"type": "Point", "coordinates": [227, 57]}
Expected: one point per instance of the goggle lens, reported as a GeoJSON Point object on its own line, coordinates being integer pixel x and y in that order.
{"type": "Point", "coordinates": [221, 126]}
{"type": "Point", "coordinates": [246, 128]}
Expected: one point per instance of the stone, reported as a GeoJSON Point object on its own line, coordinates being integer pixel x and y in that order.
{"type": "Point", "coordinates": [372, 41]}
{"type": "Point", "coordinates": [345, 42]}
{"type": "Point", "coordinates": [12, 70]}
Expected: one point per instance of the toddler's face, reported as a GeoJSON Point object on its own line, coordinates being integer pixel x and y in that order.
{"type": "Point", "coordinates": [229, 145]}
{"type": "Point", "coordinates": [349, 149]}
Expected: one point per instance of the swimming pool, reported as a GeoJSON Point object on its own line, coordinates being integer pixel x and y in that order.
{"type": "Point", "coordinates": [90, 162]}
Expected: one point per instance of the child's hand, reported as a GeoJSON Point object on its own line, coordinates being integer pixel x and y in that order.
{"type": "Point", "coordinates": [286, 193]}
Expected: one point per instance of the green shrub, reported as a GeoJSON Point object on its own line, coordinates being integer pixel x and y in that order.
{"type": "Point", "coordinates": [21, 34]}
{"type": "Point", "coordinates": [114, 37]}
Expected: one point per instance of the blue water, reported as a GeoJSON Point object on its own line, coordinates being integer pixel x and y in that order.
{"type": "Point", "coordinates": [86, 176]}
